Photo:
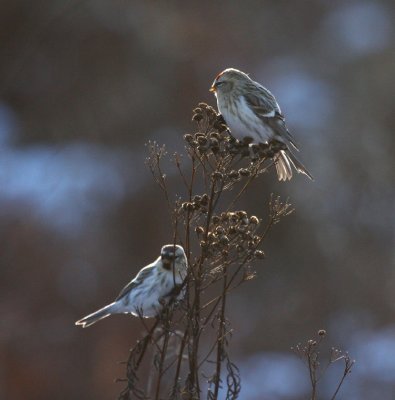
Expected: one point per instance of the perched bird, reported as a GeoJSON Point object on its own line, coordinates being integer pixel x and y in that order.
{"type": "Point", "coordinates": [150, 290]}
{"type": "Point", "coordinates": [251, 110]}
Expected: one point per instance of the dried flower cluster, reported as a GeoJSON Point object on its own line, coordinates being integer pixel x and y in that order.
{"type": "Point", "coordinates": [310, 353]}
{"type": "Point", "coordinates": [184, 354]}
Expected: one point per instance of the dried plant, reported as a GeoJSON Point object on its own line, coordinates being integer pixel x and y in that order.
{"type": "Point", "coordinates": [310, 353]}
{"type": "Point", "coordinates": [174, 359]}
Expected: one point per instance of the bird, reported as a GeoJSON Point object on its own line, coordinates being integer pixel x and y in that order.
{"type": "Point", "coordinates": [152, 288]}
{"type": "Point", "coordinates": [251, 110]}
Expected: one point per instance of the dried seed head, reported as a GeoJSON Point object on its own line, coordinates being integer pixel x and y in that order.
{"type": "Point", "coordinates": [254, 220]}
{"type": "Point", "coordinates": [197, 110]}
{"type": "Point", "coordinates": [203, 244]}
{"type": "Point", "coordinates": [197, 199]}
{"type": "Point", "coordinates": [214, 143]}
{"type": "Point", "coordinates": [220, 126]}
{"type": "Point", "coordinates": [215, 219]}
{"type": "Point", "coordinates": [202, 149]}
{"type": "Point", "coordinates": [197, 117]}
{"type": "Point", "coordinates": [224, 216]}
{"type": "Point", "coordinates": [244, 172]}
{"type": "Point", "coordinates": [199, 230]}
{"type": "Point", "coordinates": [204, 199]}
{"type": "Point", "coordinates": [188, 138]}
{"type": "Point", "coordinates": [212, 236]}
{"type": "Point", "coordinates": [232, 217]}
{"type": "Point", "coordinates": [215, 136]}
{"type": "Point", "coordinates": [241, 214]}
{"type": "Point", "coordinates": [217, 175]}
{"type": "Point", "coordinates": [202, 140]}
{"type": "Point", "coordinates": [256, 239]}
{"type": "Point", "coordinates": [224, 240]}
{"type": "Point", "coordinates": [187, 206]}
{"type": "Point", "coordinates": [220, 230]}
{"type": "Point", "coordinates": [233, 174]}
{"type": "Point", "coordinates": [322, 332]}
{"type": "Point", "coordinates": [259, 254]}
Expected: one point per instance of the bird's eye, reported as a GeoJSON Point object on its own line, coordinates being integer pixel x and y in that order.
{"type": "Point", "coordinates": [219, 83]}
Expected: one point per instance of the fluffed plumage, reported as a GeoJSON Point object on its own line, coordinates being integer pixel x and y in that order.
{"type": "Point", "coordinates": [150, 290]}
{"type": "Point", "coordinates": [249, 109]}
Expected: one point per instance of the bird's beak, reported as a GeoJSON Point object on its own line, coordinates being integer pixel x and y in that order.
{"type": "Point", "coordinates": [213, 89]}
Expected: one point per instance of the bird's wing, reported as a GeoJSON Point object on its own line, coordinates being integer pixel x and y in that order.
{"type": "Point", "coordinates": [262, 101]}
{"type": "Point", "coordinates": [266, 108]}
{"type": "Point", "coordinates": [144, 273]}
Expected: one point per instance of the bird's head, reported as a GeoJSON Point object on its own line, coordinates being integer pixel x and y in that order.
{"type": "Point", "coordinates": [228, 80]}
{"type": "Point", "coordinates": [172, 255]}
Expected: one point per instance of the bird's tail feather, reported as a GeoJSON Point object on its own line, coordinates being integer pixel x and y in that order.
{"type": "Point", "coordinates": [284, 161]}
{"type": "Point", "coordinates": [96, 316]}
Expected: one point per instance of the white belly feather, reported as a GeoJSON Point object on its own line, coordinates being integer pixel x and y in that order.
{"type": "Point", "coordinates": [245, 122]}
{"type": "Point", "coordinates": [146, 299]}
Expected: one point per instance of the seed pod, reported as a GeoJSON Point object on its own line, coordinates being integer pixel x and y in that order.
{"type": "Point", "coordinates": [204, 199]}
{"type": "Point", "coordinates": [259, 254]}
{"type": "Point", "coordinates": [188, 137]}
{"type": "Point", "coordinates": [220, 230]}
{"type": "Point", "coordinates": [203, 244]}
{"type": "Point", "coordinates": [224, 216]}
{"type": "Point", "coordinates": [241, 214]}
{"type": "Point", "coordinates": [244, 172]}
{"type": "Point", "coordinates": [197, 110]}
{"type": "Point", "coordinates": [233, 174]}
{"type": "Point", "coordinates": [197, 199]}
{"type": "Point", "coordinates": [199, 230]}
{"type": "Point", "coordinates": [254, 220]}
{"type": "Point", "coordinates": [322, 332]}
{"type": "Point", "coordinates": [214, 136]}
{"type": "Point", "coordinates": [202, 140]}
{"type": "Point", "coordinates": [222, 128]}
{"type": "Point", "coordinates": [217, 175]}
{"type": "Point", "coordinates": [187, 206]}
{"type": "Point", "coordinates": [214, 142]}
{"type": "Point", "coordinates": [202, 149]}
{"type": "Point", "coordinates": [224, 240]}
{"type": "Point", "coordinates": [212, 236]}
{"type": "Point", "coordinates": [215, 219]}
{"type": "Point", "coordinates": [197, 117]}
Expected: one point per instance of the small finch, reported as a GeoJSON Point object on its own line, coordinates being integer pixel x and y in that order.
{"type": "Point", "coordinates": [249, 109]}
{"type": "Point", "coordinates": [152, 288]}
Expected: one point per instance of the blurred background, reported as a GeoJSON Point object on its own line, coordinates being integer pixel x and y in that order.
{"type": "Point", "coordinates": [85, 84]}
